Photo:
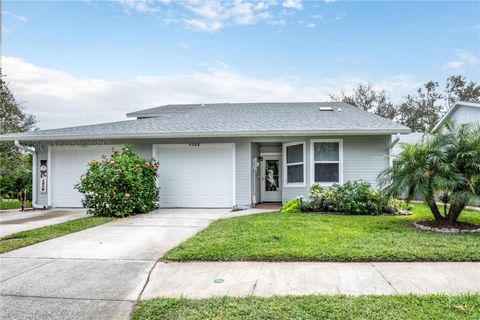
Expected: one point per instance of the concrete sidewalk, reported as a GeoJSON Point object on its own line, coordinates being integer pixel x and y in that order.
{"type": "Point", "coordinates": [207, 279]}
{"type": "Point", "coordinates": [97, 273]}
{"type": "Point", "coordinates": [12, 221]}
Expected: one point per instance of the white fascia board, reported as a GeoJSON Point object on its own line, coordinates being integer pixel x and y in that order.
{"type": "Point", "coordinates": [54, 137]}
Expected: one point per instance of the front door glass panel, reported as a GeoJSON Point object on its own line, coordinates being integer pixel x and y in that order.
{"type": "Point", "coordinates": [272, 175]}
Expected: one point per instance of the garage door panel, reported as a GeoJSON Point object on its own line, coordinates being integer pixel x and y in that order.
{"type": "Point", "coordinates": [203, 175]}
{"type": "Point", "coordinates": [68, 166]}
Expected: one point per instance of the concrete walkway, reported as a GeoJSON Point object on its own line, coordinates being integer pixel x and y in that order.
{"type": "Point", "coordinates": [96, 273]}
{"type": "Point", "coordinates": [99, 273]}
{"type": "Point", "coordinates": [207, 279]}
{"type": "Point", "coordinates": [12, 221]}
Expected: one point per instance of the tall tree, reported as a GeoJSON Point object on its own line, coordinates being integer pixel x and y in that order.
{"type": "Point", "coordinates": [366, 98]}
{"type": "Point", "coordinates": [458, 89]}
{"type": "Point", "coordinates": [422, 111]}
{"type": "Point", "coordinates": [446, 163]}
{"type": "Point", "coordinates": [12, 119]}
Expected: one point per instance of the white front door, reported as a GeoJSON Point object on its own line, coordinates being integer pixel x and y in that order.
{"type": "Point", "coordinates": [270, 178]}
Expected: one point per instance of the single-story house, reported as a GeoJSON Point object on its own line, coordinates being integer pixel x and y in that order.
{"type": "Point", "coordinates": [221, 155]}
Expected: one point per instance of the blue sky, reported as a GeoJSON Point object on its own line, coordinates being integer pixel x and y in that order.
{"type": "Point", "coordinates": [86, 62]}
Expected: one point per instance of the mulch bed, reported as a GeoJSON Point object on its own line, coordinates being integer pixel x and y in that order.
{"type": "Point", "coordinates": [456, 225]}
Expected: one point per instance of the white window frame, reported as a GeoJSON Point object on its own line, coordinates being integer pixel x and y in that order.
{"type": "Point", "coordinates": [313, 162]}
{"type": "Point", "coordinates": [285, 165]}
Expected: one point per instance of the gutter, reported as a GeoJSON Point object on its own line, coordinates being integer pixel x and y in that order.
{"type": "Point", "coordinates": [219, 134]}
{"type": "Point", "coordinates": [31, 150]}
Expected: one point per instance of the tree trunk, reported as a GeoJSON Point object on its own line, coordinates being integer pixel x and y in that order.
{"type": "Point", "coordinates": [454, 213]}
{"type": "Point", "coordinates": [436, 213]}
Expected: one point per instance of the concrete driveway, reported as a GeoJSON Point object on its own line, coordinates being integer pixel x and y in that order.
{"type": "Point", "coordinates": [12, 221]}
{"type": "Point", "coordinates": [97, 273]}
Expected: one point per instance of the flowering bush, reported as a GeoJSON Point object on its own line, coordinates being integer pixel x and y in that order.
{"type": "Point", "coordinates": [357, 197]}
{"type": "Point", "coordinates": [120, 185]}
{"type": "Point", "coordinates": [352, 197]}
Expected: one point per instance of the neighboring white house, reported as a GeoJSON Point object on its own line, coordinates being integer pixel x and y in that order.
{"type": "Point", "coordinates": [221, 155]}
{"type": "Point", "coordinates": [461, 112]}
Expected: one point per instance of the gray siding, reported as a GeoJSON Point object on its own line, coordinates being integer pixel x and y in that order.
{"type": "Point", "coordinates": [243, 158]}
{"type": "Point", "coordinates": [364, 158]}
{"type": "Point", "coordinates": [255, 173]}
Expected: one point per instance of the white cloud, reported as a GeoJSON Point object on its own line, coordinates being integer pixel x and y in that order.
{"type": "Point", "coordinates": [202, 25]}
{"type": "Point", "coordinates": [17, 17]}
{"type": "Point", "coordinates": [59, 99]}
{"type": "Point", "coordinates": [209, 15]}
{"type": "Point", "coordinates": [293, 4]}
{"type": "Point", "coordinates": [311, 25]}
{"type": "Point", "coordinates": [330, 1]}
{"type": "Point", "coordinates": [5, 30]}
{"type": "Point", "coordinates": [463, 58]}
{"type": "Point", "coordinates": [147, 6]}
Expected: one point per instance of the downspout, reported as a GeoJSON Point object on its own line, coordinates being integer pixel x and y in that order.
{"type": "Point", "coordinates": [395, 138]}
{"type": "Point", "coordinates": [34, 172]}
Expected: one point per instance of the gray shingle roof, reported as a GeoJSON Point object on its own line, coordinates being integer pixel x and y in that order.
{"type": "Point", "coordinates": [231, 119]}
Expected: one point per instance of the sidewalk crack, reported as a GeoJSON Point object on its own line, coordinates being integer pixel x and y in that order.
{"type": "Point", "coordinates": [258, 277]}
{"type": "Point", "coordinates": [383, 277]}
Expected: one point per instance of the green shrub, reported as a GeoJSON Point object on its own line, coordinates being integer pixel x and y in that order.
{"type": "Point", "coordinates": [357, 197]}
{"type": "Point", "coordinates": [400, 204]}
{"type": "Point", "coordinates": [292, 206]}
{"type": "Point", "coordinates": [319, 199]}
{"type": "Point", "coordinates": [120, 185]}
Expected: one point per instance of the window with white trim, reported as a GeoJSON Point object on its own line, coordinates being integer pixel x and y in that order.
{"type": "Point", "coordinates": [327, 161]}
{"type": "Point", "coordinates": [294, 163]}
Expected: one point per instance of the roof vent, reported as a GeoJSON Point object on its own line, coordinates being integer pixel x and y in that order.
{"type": "Point", "coordinates": [325, 108]}
{"type": "Point", "coordinates": [339, 110]}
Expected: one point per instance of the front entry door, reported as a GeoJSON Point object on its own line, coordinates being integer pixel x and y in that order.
{"type": "Point", "coordinates": [270, 176]}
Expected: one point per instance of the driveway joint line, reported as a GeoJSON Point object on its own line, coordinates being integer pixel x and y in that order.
{"type": "Point", "coordinates": [384, 278]}
{"type": "Point", "coordinates": [30, 269]}
{"type": "Point", "coordinates": [80, 259]}
{"type": "Point", "coordinates": [64, 298]}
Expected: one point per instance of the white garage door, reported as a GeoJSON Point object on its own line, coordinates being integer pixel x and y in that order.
{"type": "Point", "coordinates": [197, 176]}
{"type": "Point", "coordinates": [69, 164]}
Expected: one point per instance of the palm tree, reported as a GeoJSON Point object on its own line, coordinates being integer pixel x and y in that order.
{"type": "Point", "coordinates": [443, 165]}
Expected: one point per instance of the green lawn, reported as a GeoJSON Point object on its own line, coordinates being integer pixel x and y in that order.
{"type": "Point", "coordinates": [313, 307]}
{"type": "Point", "coordinates": [6, 204]}
{"type": "Point", "coordinates": [321, 237]}
{"type": "Point", "coordinates": [26, 238]}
